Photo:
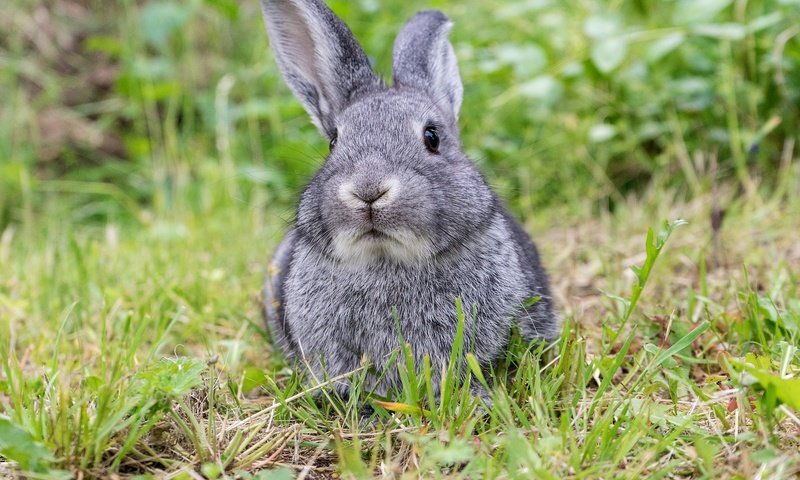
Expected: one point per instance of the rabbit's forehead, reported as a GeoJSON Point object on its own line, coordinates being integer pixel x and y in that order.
{"type": "Point", "coordinates": [388, 112]}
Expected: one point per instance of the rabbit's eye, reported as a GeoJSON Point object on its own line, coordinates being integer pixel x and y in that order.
{"type": "Point", "coordinates": [333, 139]}
{"type": "Point", "coordinates": [431, 139]}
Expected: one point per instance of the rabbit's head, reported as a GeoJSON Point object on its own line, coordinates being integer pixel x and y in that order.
{"type": "Point", "coordinates": [396, 186]}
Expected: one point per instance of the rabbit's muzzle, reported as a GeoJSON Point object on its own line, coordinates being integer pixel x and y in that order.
{"type": "Point", "coordinates": [367, 200]}
{"type": "Point", "coordinates": [375, 227]}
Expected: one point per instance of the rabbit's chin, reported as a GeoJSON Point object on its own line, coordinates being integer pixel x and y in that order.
{"type": "Point", "coordinates": [399, 246]}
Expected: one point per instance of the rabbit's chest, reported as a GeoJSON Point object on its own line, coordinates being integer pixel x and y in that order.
{"type": "Point", "coordinates": [362, 310]}
{"type": "Point", "coordinates": [374, 300]}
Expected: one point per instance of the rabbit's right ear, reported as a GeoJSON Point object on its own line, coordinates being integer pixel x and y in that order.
{"type": "Point", "coordinates": [318, 56]}
{"type": "Point", "coordinates": [424, 58]}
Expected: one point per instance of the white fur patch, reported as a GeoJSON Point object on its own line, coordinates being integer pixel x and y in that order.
{"type": "Point", "coordinates": [345, 194]}
{"type": "Point", "coordinates": [418, 127]}
{"type": "Point", "coordinates": [402, 246]}
{"type": "Point", "coordinates": [392, 187]}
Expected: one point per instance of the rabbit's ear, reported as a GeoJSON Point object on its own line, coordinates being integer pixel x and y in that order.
{"type": "Point", "coordinates": [424, 58]}
{"type": "Point", "coordinates": [318, 56]}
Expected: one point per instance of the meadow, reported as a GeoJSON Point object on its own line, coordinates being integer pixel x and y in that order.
{"type": "Point", "coordinates": [150, 161]}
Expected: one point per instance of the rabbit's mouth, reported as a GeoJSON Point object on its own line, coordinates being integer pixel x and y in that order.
{"type": "Point", "coordinates": [374, 234]}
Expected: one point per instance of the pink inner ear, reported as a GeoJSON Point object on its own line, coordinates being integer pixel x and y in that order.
{"type": "Point", "coordinates": [318, 56]}
{"type": "Point", "coordinates": [297, 45]}
{"type": "Point", "coordinates": [297, 49]}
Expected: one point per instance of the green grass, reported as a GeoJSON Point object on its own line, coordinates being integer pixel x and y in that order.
{"type": "Point", "coordinates": [137, 214]}
{"type": "Point", "coordinates": [140, 349]}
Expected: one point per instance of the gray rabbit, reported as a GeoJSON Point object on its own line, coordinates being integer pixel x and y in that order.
{"type": "Point", "coordinates": [398, 222]}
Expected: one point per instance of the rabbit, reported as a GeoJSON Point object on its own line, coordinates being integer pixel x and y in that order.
{"type": "Point", "coordinates": [397, 223]}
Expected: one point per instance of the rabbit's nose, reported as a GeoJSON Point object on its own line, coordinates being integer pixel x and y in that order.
{"type": "Point", "coordinates": [371, 195]}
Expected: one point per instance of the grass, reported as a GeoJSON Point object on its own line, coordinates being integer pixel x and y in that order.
{"type": "Point", "coordinates": [133, 350]}
{"type": "Point", "coordinates": [138, 211]}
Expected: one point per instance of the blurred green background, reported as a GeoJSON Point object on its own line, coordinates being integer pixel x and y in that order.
{"type": "Point", "coordinates": [126, 110]}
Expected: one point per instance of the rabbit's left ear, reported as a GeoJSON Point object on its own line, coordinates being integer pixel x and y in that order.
{"type": "Point", "coordinates": [424, 58]}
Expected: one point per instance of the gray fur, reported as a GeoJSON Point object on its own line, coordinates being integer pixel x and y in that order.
{"type": "Point", "coordinates": [443, 233]}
